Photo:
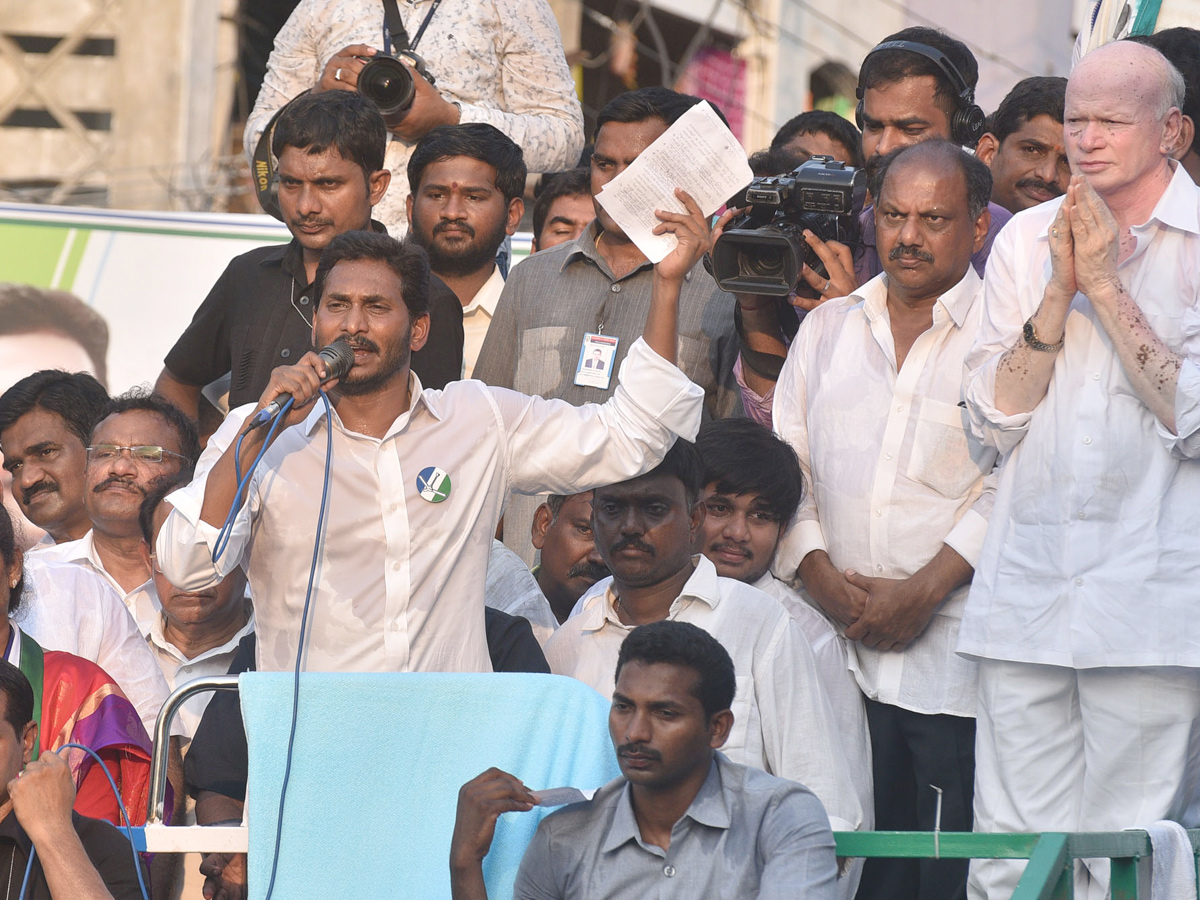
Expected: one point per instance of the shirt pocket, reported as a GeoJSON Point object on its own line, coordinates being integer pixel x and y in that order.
{"type": "Point", "coordinates": [540, 363]}
{"type": "Point", "coordinates": [941, 455]}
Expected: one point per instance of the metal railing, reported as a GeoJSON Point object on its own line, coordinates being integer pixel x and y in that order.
{"type": "Point", "coordinates": [1049, 874]}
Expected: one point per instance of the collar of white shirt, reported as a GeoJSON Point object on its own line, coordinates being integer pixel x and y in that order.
{"type": "Point", "coordinates": [142, 602]}
{"type": "Point", "coordinates": [1176, 208]}
{"type": "Point", "coordinates": [419, 399]}
{"type": "Point", "coordinates": [487, 296]}
{"type": "Point", "coordinates": [159, 640]}
{"type": "Point", "coordinates": [702, 586]}
{"type": "Point", "coordinates": [956, 301]}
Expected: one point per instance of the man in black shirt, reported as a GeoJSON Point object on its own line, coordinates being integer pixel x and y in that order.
{"type": "Point", "coordinates": [258, 315]}
{"type": "Point", "coordinates": [77, 858]}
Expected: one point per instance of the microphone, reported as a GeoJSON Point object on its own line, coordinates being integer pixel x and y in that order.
{"type": "Point", "coordinates": [338, 357]}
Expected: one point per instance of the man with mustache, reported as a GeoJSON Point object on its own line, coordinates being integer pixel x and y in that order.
{"type": "Point", "coordinates": [418, 479]}
{"type": "Point", "coordinates": [570, 561]}
{"type": "Point", "coordinates": [1024, 145]}
{"type": "Point", "coordinates": [885, 541]}
{"type": "Point", "coordinates": [916, 85]}
{"type": "Point", "coordinates": [142, 441]}
{"type": "Point", "coordinates": [683, 820]}
{"type": "Point", "coordinates": [46, 421]}
{"type": "Point", "coordinates": [752, 488]}
{"type": "Point", "coordinates": [259, 314]}
{"type": "Point", "coordinates": [466, 185]}
{"type": "Point", "coordinates": [646, 529]}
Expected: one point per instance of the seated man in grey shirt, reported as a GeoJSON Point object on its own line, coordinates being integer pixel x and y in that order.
{"type": "Point", "coordinates": [682, 821]}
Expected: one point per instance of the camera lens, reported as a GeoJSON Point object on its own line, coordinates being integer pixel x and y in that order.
{"type": "Point", "coordinates": [388, 83]}
{"type": "Point", "coordinates": [763, 262]}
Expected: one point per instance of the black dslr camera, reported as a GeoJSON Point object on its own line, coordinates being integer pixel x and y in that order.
{"type": "Point", "coordinates": [763, 251]}
{"type": "Point", "coordinates": [388, 83]}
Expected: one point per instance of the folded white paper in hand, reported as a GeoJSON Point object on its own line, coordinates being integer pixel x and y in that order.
{"type": "Point", "coordinates": [698, 154]}
{"type": "Point", "coordinates": [561, 796]}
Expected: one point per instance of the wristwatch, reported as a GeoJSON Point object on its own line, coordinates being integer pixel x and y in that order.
{"type": "Point", "coordinates": [1032, 340]}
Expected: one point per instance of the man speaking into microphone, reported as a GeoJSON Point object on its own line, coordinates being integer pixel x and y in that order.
{"type": "Point", "coordinates": [417, 478]}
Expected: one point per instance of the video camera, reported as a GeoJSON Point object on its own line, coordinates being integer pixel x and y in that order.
{"type": "Point", "coordinates": [763, 251]}
{"type": "Point", "coordinates": [388, 83]}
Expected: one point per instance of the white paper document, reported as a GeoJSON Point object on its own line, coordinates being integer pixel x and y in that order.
{"type": "Point", "coordinates": [698, 154]}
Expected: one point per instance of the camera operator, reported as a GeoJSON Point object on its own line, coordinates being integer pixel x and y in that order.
{"type": "Point", "coordinates": [916, 85]}
{"type": "Point", "coordinates": [495, 61]}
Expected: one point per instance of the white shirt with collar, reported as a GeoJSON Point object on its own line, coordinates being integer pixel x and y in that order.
{"type": "Point", "coordinates": [782, 720]}
{"type": "Point", "coordinates": [142, 601]}
{"type": "Point", "coordinates": [477, 317]}
{"type": "Point", "coordinates": [69, 607]}
{"type": "Point", "coordinates": [178, 670]}
{"type": "Point", "coordinates": [401, 583]}
{"type": "Point", "coordinates": [1093, 555]}
{"type": "Point", "coordinates": [893, 472]}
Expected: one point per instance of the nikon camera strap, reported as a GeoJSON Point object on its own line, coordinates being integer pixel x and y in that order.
{"type": "Point", "coordinates": [394, 32]}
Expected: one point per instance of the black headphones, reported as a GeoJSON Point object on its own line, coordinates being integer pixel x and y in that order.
{"type": "Point", "coordinates": [968, 121]}
{"type": "Point", "coordinates": [264, 166]}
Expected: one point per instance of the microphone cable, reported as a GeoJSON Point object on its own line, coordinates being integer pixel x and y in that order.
{"type": "Point", "coordinates": [137, 865]}
{"type": "Point", "coordinates": [222, 542]}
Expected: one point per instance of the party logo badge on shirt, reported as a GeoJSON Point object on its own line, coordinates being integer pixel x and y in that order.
{"type": "Point", "coordinates": [433, 484]}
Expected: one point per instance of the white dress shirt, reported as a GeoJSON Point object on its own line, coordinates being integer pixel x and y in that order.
{"type": "Point", "coordinates": [891, 471]}
{"type": "Point", "coordinates": [142, 601]}
{"type": "Point", "coordinates": [400, 584]}
{"type": "Point", "coordinates": [500, 61]}
{"type": "Point", "coordinates": [477, 316]}
{"type": "Point", "coordinates": [178, 670]}
{"type": "Point", "coordinates": [69, 607]}
{"type": "Point", "coordinates": [782, 720]}
{"type": "Point", "coordinates": [1093, 555]}
{"type": "Point", "coordinates": [511, 588]}
{"type": "Point", "coordinates": [845, 699]}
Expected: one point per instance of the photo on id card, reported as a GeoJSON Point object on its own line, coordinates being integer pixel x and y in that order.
{"type": "Point", "coordinates": [596, 358]}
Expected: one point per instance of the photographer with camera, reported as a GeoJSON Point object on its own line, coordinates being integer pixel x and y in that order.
{"type": "Point", "coordinates": [494, 61]}
{"type": "Point", "coordinates": [885, 541]}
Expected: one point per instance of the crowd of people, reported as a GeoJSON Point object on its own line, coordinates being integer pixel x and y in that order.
{"type": "Point", "coordinates": [908, 549]}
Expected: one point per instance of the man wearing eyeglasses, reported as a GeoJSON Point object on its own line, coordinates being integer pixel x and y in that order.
{"type": "Point", "coordinates": [142, 440]}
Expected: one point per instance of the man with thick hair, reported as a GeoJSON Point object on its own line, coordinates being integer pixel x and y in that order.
{"type": "Point", "coordinates": [752, 489]}
{"type": "Point", "coordinates": [885, 541]}
{"type": "Point", "coordinates": [77, 858]}
{"type": "Point", "coordinates": [1182, 47]}
{"type": "Point", "coordinates": [819, 132]}
{"type": "Point", "coordinates": [418, 478]}
{"type": "Point", "coordinates": [141, 440]}
{"type": "Point", "coordinates": [498, 62]}
{"type": "Point", "coordinates": [563, 208]}
{"type": "Point", "coordinates": [646, 529]}
{"type": "Point", "coordinates": [595, 291]}
{"type": "Point", "coordinates": [1023, 145]}
{"type": "Point", "coordinates": [466, 187]}
{"type": "Point", "coordinates": [41, 327]}
{"type": "Point", "coordinates": [1085, 376]}
{"type": "Point", "coordinates": [46, 422]}
{"type": "Point", "coordinates": [259, 313]}
{"type": "Point", "coordinates": [723, 830]}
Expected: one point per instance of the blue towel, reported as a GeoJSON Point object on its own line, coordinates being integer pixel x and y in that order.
{"type": "Point", "coordinates": [377, 764]}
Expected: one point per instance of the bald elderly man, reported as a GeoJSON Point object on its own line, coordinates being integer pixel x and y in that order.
{"type": "Point", "coordinates": [1086, 377]}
